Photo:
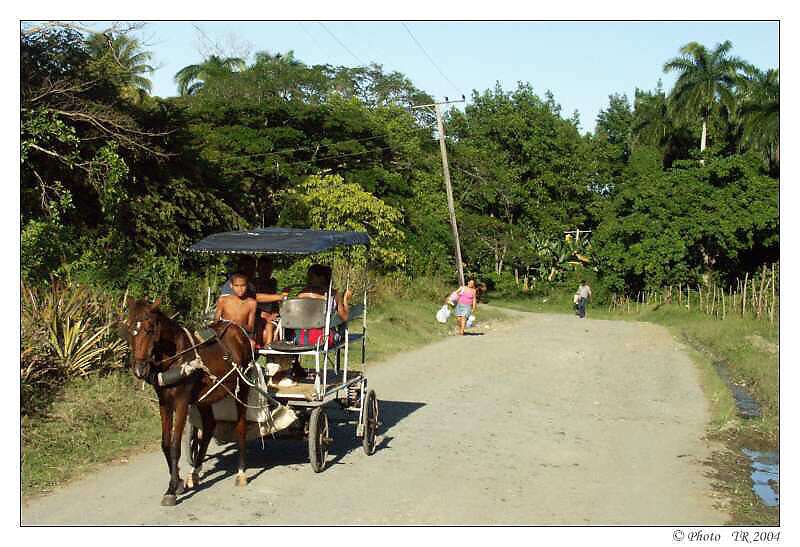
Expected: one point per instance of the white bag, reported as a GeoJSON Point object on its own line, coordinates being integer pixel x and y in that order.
{"type": "Point", "coordinates": [443, 314]}
{"type": "Point", "coordinates": [470, 320]}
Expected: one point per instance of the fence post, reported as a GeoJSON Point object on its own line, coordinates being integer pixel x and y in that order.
{"type": "Point", "coordinates": [772, 304]}
{"type": "Point", "coordinates": [744, 294]}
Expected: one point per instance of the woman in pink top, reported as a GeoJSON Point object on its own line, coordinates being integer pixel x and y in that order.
{"type": "Point", "coordinates": [467, 302]}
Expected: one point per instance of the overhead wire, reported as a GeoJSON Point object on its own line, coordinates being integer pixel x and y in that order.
{"type": "Point", "coordinates": [311, 36]}
{"type": "Point", "coordinates": [360, 62]}
{"type": "Point", "coordinates": [455, 87]}
{"type": "Point", "coordinates": [299, 148]}
{"type": "Point", "coordinates": [335, 156]}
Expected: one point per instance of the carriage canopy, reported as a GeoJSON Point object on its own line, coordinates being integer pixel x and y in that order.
{"type": "Point", "coordinates": [278, 241]}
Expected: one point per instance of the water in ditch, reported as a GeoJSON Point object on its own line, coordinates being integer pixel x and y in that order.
{"type": "Point", "coordinates": [764, 468]}
{"type": "Point", "coordinates": [764, 465]}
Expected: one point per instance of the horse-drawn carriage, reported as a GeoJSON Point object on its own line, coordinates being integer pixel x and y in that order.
{"type": "Point", "coordinates": [214, 383]}
{"type": "Point", "coordinates": [302, 405]}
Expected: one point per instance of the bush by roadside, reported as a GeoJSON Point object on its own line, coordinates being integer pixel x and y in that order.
{"type": "Point", "coordinates": [67, 333]}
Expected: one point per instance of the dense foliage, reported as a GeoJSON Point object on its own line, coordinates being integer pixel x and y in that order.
{"type": "Point", "coordinates": [116, 183]}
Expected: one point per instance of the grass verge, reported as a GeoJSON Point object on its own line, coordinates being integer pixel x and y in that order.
{"type": "Point", "coordinates": [99, 419]}
{"type": "Point", "coordinates": [748, 350]}
{"type": "Point", "coordinates": [94, 420]}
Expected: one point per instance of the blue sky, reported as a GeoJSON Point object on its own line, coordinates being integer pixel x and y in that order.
{"type": "Point", "coordinates": [580, 62]}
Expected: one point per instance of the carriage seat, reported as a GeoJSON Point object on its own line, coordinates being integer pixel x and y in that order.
{"type": "Point", "coordinates": [307, 313]}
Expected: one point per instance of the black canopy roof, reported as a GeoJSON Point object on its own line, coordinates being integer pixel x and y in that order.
{"type": "Point", "coordinates": [278, 241]}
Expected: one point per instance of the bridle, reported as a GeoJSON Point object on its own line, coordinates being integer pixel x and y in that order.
{"type": "Point", "coordinates": [151, 326]}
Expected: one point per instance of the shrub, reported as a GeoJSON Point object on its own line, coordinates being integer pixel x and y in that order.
{"type": "Point", "coordinates": [66, 332]}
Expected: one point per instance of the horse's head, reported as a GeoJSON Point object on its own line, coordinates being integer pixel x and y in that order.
{"type": "Point", "coordinates": [144, 330]}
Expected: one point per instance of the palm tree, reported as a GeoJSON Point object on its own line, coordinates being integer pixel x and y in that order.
{"type": "Point", "coordinates": [126, 53]}
{"type": "Point", "coordinates": [759, 111]}
{"type": "Point", "coordinates": [651, 120]}
{"type": "Point", "coordinates": [190, 78]}
{"type": "Point", "coordinates": [706, 80]}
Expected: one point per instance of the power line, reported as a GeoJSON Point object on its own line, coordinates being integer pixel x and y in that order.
{"type": "Point", "coordinates": [299, 148]}
{"type": "Point", "coordinates": [455, 87]}
{"type": "Point", "coordinates": [360, 62]}
{"type": "Point", "coordinates": [335, 156]}
{"type": "Point", "coordinates": [322, 49]}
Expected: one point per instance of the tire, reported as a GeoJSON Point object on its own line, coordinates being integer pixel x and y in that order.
{"type": "Point", "coordinates": [370, 423]}
{"type": "Point", "coordinates": [191, 445]}
{"type": "Point", "coordinates": [319, 439]}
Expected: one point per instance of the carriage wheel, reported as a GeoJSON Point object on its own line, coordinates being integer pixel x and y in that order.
{"type": "Point", "coordinates": [370, 422]}
{"type": "Point", "coordinates": [192, 445]}
{"type": "Point", "coordinates": [319, 439]}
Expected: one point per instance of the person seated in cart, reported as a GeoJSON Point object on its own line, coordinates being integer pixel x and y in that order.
{"type": "Point", "coordinates": [318, 281]}
{"type": "Point", "coordinates": [240, 308]}
{"type": "Point", "coordinates": [318, 278]}
{"type": "Point", "coordinates": [245, 265]}
{"type": "Point", "coordinates": [266, 312]}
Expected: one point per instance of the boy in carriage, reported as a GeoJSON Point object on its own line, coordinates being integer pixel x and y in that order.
{"type": "Point", "coordinates": [240, 308]}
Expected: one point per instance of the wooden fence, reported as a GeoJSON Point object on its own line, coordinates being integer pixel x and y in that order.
{"type": "Point", "coordinates": [754, 297]}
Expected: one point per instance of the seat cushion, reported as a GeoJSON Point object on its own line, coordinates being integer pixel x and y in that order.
{"type": "Point", "coordinates": [281, 345]}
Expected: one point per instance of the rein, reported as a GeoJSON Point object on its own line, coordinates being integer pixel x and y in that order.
{"type": "Point", "coordinates": [194, 347]}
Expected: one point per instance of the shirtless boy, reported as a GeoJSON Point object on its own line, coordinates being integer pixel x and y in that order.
{"type": "Point", "coordinates": [240, 308]}
{"type": "Point", "coordinates": [237, 307]}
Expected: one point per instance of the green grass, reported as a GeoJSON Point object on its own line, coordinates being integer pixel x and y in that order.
{"type": "Point", "coordinates": [94, 420]}
{"type": "Point", "coordinates": [399, 325]}
{"type": "Point", "coordinates": [98, 419]}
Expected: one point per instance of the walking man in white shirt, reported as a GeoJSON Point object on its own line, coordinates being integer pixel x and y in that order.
{"type": "Point", "coordinates": [585, 293]}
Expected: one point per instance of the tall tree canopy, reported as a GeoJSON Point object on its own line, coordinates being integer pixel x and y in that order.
{"type": "Point", "coordinates": [115, 183]}
{"type": "Point", "coordinates": [706, 81]}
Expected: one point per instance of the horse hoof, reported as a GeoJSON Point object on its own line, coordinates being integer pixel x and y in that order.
{"type": "Point", "coordinates": [181, 488]}
{"type": "Point", "coordinates": [169, 500]}
{"type": "Point", "coordinates": [241, 480]}
{"type": "Point", "coordinates": [193, 481]}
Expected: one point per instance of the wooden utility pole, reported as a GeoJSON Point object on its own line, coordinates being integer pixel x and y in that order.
{"type": "Point", "coordinates": [578, 233]}
{"type": "Point", "coordinates": [446, 173]}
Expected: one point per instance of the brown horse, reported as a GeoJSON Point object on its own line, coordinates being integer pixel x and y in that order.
{"type": "Point", "coordinates": [161, 348]}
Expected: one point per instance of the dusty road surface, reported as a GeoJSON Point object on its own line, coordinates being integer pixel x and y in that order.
{"type": "Point", "coordinates": [546, 420]}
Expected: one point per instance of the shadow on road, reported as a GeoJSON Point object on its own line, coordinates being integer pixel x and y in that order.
{"type": "Point", "coordinates": [282, 452]}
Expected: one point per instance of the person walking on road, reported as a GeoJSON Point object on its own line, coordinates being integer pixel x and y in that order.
{"type": "Point", "coordinates": [466, 304]}
{"type": "Point", "coordinates": [584, 293]}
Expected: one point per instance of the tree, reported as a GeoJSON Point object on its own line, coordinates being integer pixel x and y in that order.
{"type": "Point", "coordinates": [614, 123]}
{"type": "Point", "coordinates": [327, 202]}
{"type": "Point", "coordinates": [79, 140]}
{"type": "Point", "coordinates": [654, 125]}
{"type": "Point", "coordinates": [126, 54]}
{"type": "Point", "coordinates": [759, 112]}
{"type": "Point", "coordinates": [706, 80]}
{"type": "Point", "coordinates": [190, 78]}
{"type": "Point", "coordinates": [684, 224]}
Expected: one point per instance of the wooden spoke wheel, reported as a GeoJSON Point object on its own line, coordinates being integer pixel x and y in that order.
{"type": "Point", "coordinates": [192, 441]}
{"type": "Point", "coordinates": [370, 422]}
{"type": "Point", "coordinates": [319, 439]}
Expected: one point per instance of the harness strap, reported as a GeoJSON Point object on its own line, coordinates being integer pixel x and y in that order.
{"type": "Point", "coordinates": [197, 363]}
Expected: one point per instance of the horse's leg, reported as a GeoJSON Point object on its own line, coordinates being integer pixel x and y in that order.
{"type": "Point", "coordinates": [176, 485]}
{"type": "Point", "coordinates": [166, 431]}
{"type": "Point", "coordinates": [203, 438]}
{"type": "Point", "coordinates": [241, 430]}
{"type": "Point", "coordinates": [167, 410]}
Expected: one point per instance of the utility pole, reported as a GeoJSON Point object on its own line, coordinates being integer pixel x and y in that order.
{"type": "Point", "coordinates": [578, 233]}
{"type": "Point", "coordinates": [446, 173]}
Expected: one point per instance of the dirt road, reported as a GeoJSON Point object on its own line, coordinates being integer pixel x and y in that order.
{"type": "Point", "coordinates": [546, 420]}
